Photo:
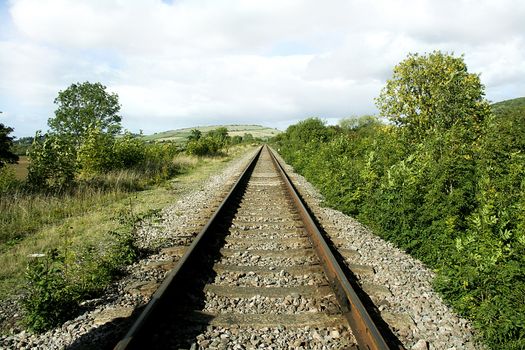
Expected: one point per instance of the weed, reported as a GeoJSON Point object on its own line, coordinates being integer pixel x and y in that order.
{"type": "Point", "coordinates": [50, 299]}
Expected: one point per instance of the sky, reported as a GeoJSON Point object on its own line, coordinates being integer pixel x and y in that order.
{"type": "Point", "coordinates": [184, 63]}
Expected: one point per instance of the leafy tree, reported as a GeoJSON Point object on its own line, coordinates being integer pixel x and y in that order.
{"type": "Point", "coordinates": [6, 143]}
{"type": "Point", "coordinates": [248, 138]}
{"type": "Point", "coordinates": [80, 139]}
{"type": "Point", "coordinates": [82, 106]}
{"type": "Point", "coordinates": [219, 134]}
{"type": "Point", "coordinates": [53, 162]}
{"type": "Point", "coordinates": [195, 134]}
{"type": "Point", "coordinates": [432, 93]}
{"type": "Point", "coordinates": [95, 154]}
{"type": "Point", "coordinates": [129, 151]}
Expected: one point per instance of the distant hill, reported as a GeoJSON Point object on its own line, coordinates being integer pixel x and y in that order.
{"type": "Point", "coordinates": [506, 105]}
{"type": "Point", "coordinates": [181, 135]}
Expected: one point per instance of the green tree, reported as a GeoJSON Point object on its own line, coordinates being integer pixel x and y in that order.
{"type": "Point", "coordinates": [81, 136]}
{"type": "Point", "coordinates": [220, 135]}
{"type": "Point", "coordinates": [95, 154]}
{"type": "Point", "coordinates": [6, 143]}
{"type": "Point", "coordinates": [248, 138]}
{"type": "Point", "coordinates": [195, 134]}
{"type": "Point", "coordinates": [82, 106]}
{"type": "Point", "coordinates": [53, 162]}
{"type": "Point", "coordinates": [432, 93]}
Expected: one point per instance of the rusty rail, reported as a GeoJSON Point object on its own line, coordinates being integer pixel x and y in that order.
{"type": "Point", "coordinates": [365, 330]}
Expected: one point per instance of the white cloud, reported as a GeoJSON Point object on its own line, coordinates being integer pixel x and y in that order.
{"type": "Point", "coordinates": [270, 62]}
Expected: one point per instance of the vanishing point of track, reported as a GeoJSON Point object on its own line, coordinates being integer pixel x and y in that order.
{"type": "Point", "coordinates": [259, 263]}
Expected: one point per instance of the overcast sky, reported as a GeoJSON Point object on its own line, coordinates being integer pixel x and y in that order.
{"type": "Point", "coordinates": [183, 63]}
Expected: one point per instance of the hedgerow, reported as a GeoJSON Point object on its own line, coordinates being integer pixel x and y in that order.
{"type": "Point", "coordinates": [450, 193]}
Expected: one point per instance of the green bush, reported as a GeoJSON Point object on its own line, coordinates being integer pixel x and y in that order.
{"type": "Point", "coordinates": [61, 279]}
{"type": "Point", "coordinates": [456, 204]}
{"type": "Point", "coordinates": [50, 299]}
{"type": "Point", "coordinates": [8, 180]}
{"type": "Point", "coordinates": [95, 155]}
{"type": "Point", "coordinates": [205, 146]}
{"type": "Point", "coordinates": [53, 162]}
{"type": "Point", "coordinates": [128, 151]}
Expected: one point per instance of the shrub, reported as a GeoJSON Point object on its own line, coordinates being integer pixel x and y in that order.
{"type": "Point", "coordinates": [456, 204]}
{"type": "Point", "coordinates": [129, 151]}
{"type": "Point", "coordinates": [205, 146]}
{"type": "Point", "coordinates": [53, 163]}
{"type": "Point", "coordinates": [8, 180]}
{"type": "Point", "coordinates": [50, 299]}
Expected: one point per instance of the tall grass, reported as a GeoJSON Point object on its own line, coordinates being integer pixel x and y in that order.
{"type": "Point", "coordinates": [23, 212]}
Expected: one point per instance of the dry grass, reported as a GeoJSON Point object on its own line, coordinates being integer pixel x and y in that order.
{"type": "Point", "coordinates": [21, 168]}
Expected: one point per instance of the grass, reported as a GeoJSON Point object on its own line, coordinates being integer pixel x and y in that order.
{"type": "Point", "coordinates": [20, 168]}
{"type": "Point", "coordinates": [85, 218]}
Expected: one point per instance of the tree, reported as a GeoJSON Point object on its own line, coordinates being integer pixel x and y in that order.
{"type": "Point", "coordinates": [81, 133]}
{"type": "Point", "coordinates": [83, 106]}
{"type": "Point", "coordinates": [53, 162]}
{"type": "Point", "coordinates": [6, 142]}
{"type": "Point", "coordinates": [219, 134]}
{"type": "Point", "coordinates": [195, 134]}
{"type": "Point", "coordinates": [432, 93]}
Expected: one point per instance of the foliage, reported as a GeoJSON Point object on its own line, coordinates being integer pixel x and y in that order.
{"type": "Point", "coordinates": [205, 146]}
{"type": "Point", "coordinates": [247, 137]}
{"type": "Point", "coordinates": [94, 154]}
{"type": "Point", "coordinates": [432, 93]}
{"type": "Point", "coordinates": [195, 134]}
{"type": "Point", "coordinates": [219, 134]}
{"type": "Point", "coordinates": [209, 145]}
{"type": "Point", "coordinates": [50, 300]}
{"type": "Point", "coordinates": [61, 279]}
{"type": "Point", "coordinates": [445, 183]}
{"type": "Point", "coordinates": [129, 151]}
{"type": "Point", "coordinates": [21, 146]}
{"type": "Point", "coordinates": [81, 137]}
{"type": "Point", "coordinates": [6, 144]}
{"type": "Point", "coordinates": [83, 143]}
{"type": "Point", "coordinates": [53, 163]}
{"type": "Point", "coordinates": [8, 181]}
{"type": "Point", "coordinates": [83, 106]}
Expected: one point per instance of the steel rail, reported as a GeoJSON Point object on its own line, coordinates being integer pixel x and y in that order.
{"type": "Point", "coordinates": [132, 339]}
{"type": "Point", "coordinates": [365, 330]}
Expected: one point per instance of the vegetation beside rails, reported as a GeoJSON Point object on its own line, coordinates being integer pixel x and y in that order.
{"type": "Point", "coordinates": [79, 241]}
{"type": "Point", "coordinates": [444, 180]}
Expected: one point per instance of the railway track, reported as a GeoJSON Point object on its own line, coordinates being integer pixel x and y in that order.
{"type": "Point", "coordinates": [259, 275]}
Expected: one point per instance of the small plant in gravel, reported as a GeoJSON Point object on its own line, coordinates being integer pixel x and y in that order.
{"type": "Point", "coordinates": [58, 281]}
{"type": "Point", "coordinates": [50, 299]}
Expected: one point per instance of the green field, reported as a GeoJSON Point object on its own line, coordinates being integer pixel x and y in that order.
{"type": "Point", "coordinates": [181, 135]}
